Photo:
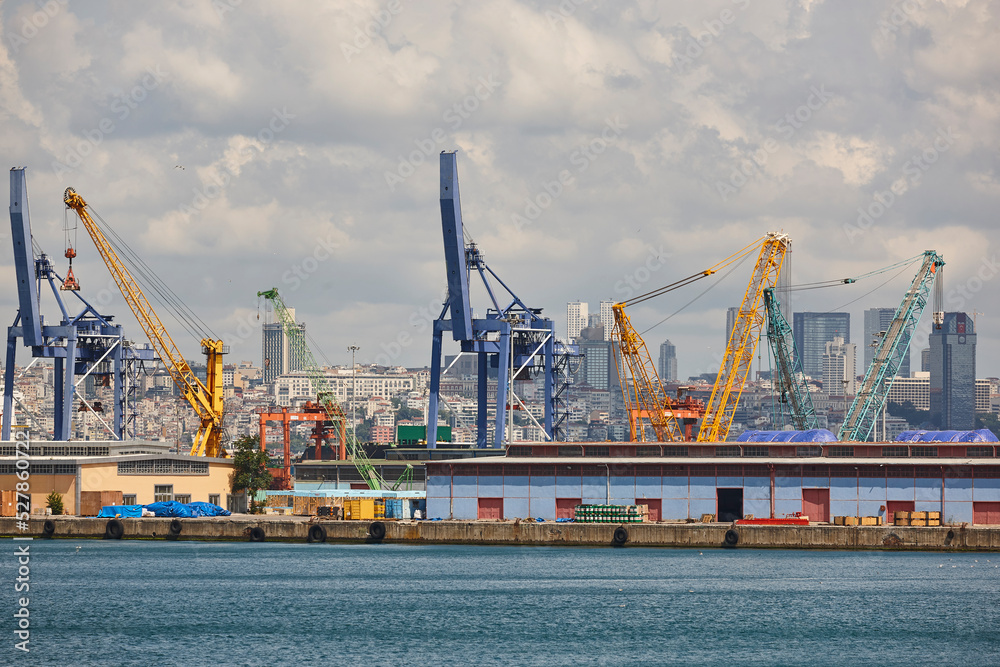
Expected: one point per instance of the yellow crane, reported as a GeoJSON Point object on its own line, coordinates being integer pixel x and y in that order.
{"type": "Point", "coordinates": [643, 392]}
{"type": "Point", "coordinates": [205, 397]}
{"type": "Point", "coordinates": [742, 343]}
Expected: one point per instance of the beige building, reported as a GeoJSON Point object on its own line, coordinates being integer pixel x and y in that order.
{"type": "Point", "coordinates": [143, 472]}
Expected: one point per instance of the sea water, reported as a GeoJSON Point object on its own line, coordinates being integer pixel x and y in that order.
{"type": "Point", "coordinates": [130, 602]}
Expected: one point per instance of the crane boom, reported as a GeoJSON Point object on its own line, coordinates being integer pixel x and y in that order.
{"type": "Point", "coordinates": [644, 395]}
{"type": "Point", "coordinates": [325, 395]}
{"type": "Point", "coordinates": [791, 386]}
{"type": "Point", "coordinates": [861, 416]}
{"type": "Point", "coordinates": [742, 343]}
{"type": "Point", "coordinates": [205, 398]}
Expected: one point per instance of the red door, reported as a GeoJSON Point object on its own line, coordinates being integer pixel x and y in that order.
{"type": "Point", "coordinates": [491, 508]}
{"type": "Point", "coordinates": [655, 505]}
{"type": "Point", "coordinates": [986, 513]}
{"type": "Point", "coordinates": [816, 504]}
{"type": "Point", "coordinates": [565, 507]}
{"type": "Point", "coordinates": [893, 506]}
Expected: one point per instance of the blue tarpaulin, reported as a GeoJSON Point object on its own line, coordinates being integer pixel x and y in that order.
{"type": "Point", "coordinates": [207, 509]}
{"type": "Point", "coordinates": [171, 508]}
{"type": "Point", "coordinates": [111, 511]}
{"type": "Point", "coordinates": [812, 435]}
{"type": "Point", "coordinates": [980, 435]}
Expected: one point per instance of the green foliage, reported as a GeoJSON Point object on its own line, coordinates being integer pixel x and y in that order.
{"type": "Point", "coordinates": [905, 410]}
{"type": "Point", "coordinates": [249, 471]}
{"type": "Point", "coordinates": [405, 413]}
{"type": "Point", "coordinates": [55, 503]}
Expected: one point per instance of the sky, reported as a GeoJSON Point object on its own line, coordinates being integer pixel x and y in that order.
{"type": "Point", "coordinates": [604, 149]}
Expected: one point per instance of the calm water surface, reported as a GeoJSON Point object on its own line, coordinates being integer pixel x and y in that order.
{"type": "Point", "coordinates": [190, 603]}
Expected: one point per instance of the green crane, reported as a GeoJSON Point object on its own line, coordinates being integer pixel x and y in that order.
{"type": "Point", "coordinates": [790, 384]}
{"type": "Point", "coordinates": [298, 348]}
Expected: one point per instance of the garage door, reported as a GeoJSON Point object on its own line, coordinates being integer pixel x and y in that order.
{"type": "Point", "coordinates": [491, 508]}
{"type": "Point", "coordinates": [566, 507]}
{"type": "Point", "coordinates": [986, 513]}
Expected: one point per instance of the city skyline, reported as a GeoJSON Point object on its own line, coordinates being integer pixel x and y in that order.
{"type": "Point", "coordinates": [602, 175]}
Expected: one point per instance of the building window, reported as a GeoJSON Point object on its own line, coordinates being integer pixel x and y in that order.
{"type": "Point", "coordinates": [596, 450]}
{"type": "Point", "coordinates": [979, 451]}
{"type": "Point", "coordinates": [128, 499]}
{"type": "Point", "coordinates": [895, 451]}
{"type": "Point", "coordinates": [841, 451]}
{"type": "Point", "coordinates": [163, 492]}
{"type": "Point", "coordinates": [809, 451]}
{"type": "Point", "coordinates": [675, 450]}
{"type": "Point", "coordinates": [925, 451]}
{"type": "Point", "coordinates": [213, 498]}
{"type": "Point", "coordinates": [756, 450]}
{"type": "Point", "coordinates": [183, 498]}
{"type": "Point", "coordinates": [647, 450]}
{"type": "Point", "coordinates": [727, 450]}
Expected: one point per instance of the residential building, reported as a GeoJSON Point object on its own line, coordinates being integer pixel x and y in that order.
{"type": "Point", "coordinates": [877, 321]}
{"type": "Point", "coordinates": [953, 372]}
{"type": "Point", "coordinates": [276, 354]}
{"type": "Point", "coordinates": [667, 367]}
{"type": "Point", "coordinates": [839, 361]}
{"type": "Point", "coordinates": [812, 331]}
{"type": "Point", "coordinates": [607, 318]}
{"type": "Point", "coordinates": [731, 314]}
{"type": "Point", "coordinates": [576, 318]}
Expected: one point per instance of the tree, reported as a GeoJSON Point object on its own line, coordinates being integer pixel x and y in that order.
{"type": "Point", "coordinates": [989, 421]}
{"type": "Point", "coordinates": [249, 471]}
{"type": "Point", "coordinates": [55, 502]}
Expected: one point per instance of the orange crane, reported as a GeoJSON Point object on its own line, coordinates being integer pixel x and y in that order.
{"type": "Point", "coordinates": [642, 390]}
{"type": "Point", "coordinates": [205, 397]}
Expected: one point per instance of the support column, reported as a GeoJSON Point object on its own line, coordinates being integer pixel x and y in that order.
{"type": "Point", "coordinates": [8, 386]}
{"type": "Point", "coordinates": [432, 403]}
{"type": "Point", "coordinates": [69, 375]}
{"type": "Point", "coordinates": [550, 385]}
{"type": "Point", "coordinates": [503, 376]}
{"type": "Point", "coordinates": [117, 380]}
{"type": "Point", "coordinates": [58, 366]}
{"type": "Point", "coordinates": [482, 408]}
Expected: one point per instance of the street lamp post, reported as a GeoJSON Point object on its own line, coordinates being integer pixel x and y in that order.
{"type": "Point", "coordinates": [354, 392]}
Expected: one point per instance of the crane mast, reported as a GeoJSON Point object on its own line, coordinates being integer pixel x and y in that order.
{"type": "Point", "coordinates": [298, 348]}
{"type": "Point", "coordinates": [861, 416]}
{"type": "Point", "coordinates": [742, 343]}
{"type": "Point", "coordinates": [790, 384]}
{"type": "Point", "coordinates": [205, 397]}
{"type": "Point", "coordinates": [644, 396]}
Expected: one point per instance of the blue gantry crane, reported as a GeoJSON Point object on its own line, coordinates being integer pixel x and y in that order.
{"type": "Point", "coordinates": [85, 343]}
{"type": "Point", "coordinates": [794, 402]}
{"type": "Point", "coordinates": [512, 338]}
{"type": "Point", "coordinates": [870, 399]}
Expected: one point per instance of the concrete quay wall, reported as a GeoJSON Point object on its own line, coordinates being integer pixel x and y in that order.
{"type": "Point", "coordinates": [296, 529]}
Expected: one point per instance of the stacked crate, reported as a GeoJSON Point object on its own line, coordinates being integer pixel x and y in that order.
{"type": "Point", "coordinates": [857, 521]}
{"type": "Point", "coordinates": [917, 518]}
{"type": "Point", "coordinates": [611, 513]}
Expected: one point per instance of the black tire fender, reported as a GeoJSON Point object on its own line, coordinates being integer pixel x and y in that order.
{"type": "Point", "coordinates": [176, 527]}
{"type": "Point", "coordinates": [620, 536]}
{"type": "Point", "coordinates": [114, 530]}
{"type": "Point", "coordinates": [257, 534]}
{"type": "Point", "coordinates": [732, 537]}
{"type": "Point", "coordinates": [376, 530]}
{"type": "Point", "coordinates": [317, 533]}
{"type": "Point", "coordinates": [48, 528]}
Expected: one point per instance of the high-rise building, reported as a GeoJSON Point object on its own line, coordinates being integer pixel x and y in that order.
{"type": "Point", "coordinates": [925, 360]}
{"type": "Point", "coordinates": [668, 362]}
{"type": "Point", "coordinates": [839, 360]}
{"type": "Point", "coordinates": [731, 314]}
{"type": "Point", "coordinates": [598, 369]}
{"type": "Point", "coordinates": [812, 331]}
{"type": "Point", "coordinates": [277, 356]}
{"type": "Point", "coordinates": [607, 318]}
{"type": "Point", "coordinates": [953, 372]}
{"type": "Point", "coordinates": [576, 319]}
{"type": "Point", "coordinates": [877, 321]}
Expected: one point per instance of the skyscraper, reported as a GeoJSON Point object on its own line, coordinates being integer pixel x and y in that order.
{"type": "Point", "coordinates": [598, 369]}
{"type": "Point", "coordinates": [877, 320]}
{"type": "Point", "coordinates": [731, 314]}
{"type": "Point", "coordinates": [953, 372]}
{"type": "Point", "coordinates": [839, 375]}
{"type": "Point", "coordinates": [576, 319]}
{"type": "Point", "coordinates": [607, 318]}
{"type": "Point", "coordinates": [812, 331]}
{"type": "Point", "coordinates": [277, 357]}
{"type": "Point", "coordinates": [668, 362]}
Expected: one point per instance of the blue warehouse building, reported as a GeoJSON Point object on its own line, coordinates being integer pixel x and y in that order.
{"type": "Point", "coordinates": [960, 481]}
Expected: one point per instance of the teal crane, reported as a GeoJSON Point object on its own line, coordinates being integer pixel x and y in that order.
{"type": "Point", "coordinates": [790, 384]}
